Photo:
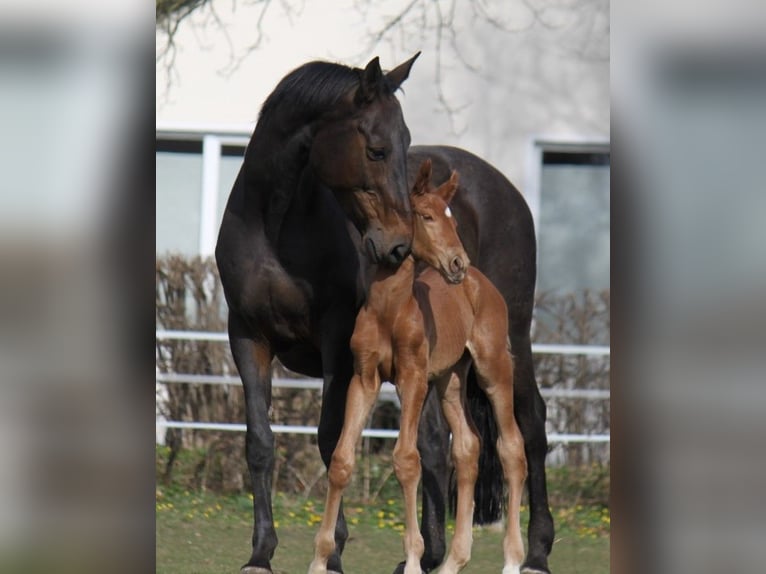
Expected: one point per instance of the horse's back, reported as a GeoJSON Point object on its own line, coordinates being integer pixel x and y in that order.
{"type": "Point", "coordinates": [495, 225]}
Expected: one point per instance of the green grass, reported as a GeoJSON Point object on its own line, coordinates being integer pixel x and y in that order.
{"type": "Point", "coordinates": [210, 534]}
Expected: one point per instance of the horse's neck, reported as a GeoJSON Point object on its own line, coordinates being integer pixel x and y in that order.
{"type": "Point", "coordinates": [392, 289]}
{"type": "Point", "coordinates": [274, 163]}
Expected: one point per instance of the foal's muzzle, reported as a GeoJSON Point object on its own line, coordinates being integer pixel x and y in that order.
{"type": "Point", "coordinates": [457, 269]}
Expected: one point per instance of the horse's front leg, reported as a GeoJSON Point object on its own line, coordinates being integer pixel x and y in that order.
{"type": "Point", "coordinates": [412, 387]}
{"type": "Point", "coordinates": [361, 399]}
{"type": "Point", "coordinates": [253, 356]}
{"type": "Point", "coordinates": [337, 367]}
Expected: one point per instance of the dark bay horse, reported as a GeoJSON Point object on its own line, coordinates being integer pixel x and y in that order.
{"type": "Point", "coordinates": [414, 330]}
{"type": "Point", "coordinates": [321, 201]}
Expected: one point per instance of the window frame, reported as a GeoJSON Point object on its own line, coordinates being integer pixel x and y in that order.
{"type": "Point", "coordinates": [213, 139]}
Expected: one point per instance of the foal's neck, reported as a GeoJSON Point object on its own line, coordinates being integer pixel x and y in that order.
{"type": "Point", "coordinates": [392, 288]}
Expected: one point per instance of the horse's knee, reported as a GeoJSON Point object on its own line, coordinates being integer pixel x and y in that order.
{"type": "Point", "coordinates": [465, 454]}
{"type": "Point", "coordinates": [512, 454]}
{"type": "Point", "coordinates": [259, 448]}
{"type": "Point", "coordinates": [407, 465]}
{"type": "Point", "coordinates": [341, 470]}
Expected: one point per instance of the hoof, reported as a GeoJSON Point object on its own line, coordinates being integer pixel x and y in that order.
{"type": "Point", "coordinates": [533, 570]}
{"type": "Point", "coordinates": [254, 570]}
{"type": "Point", "coordinates": [400, 569]}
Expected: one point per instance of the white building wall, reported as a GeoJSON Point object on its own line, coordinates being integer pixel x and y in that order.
{"type": "Point", "coordinates": [546, 79]}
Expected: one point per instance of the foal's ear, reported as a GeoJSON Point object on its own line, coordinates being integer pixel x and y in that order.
{"type": "Point", "coordinates": [369, 82]}
{"type": "Point", "coordinates": [397, 76]}
{"type": "Point", "coordinates": [447, 190]}
{"type": "Point", "coordinates": [423, 180]}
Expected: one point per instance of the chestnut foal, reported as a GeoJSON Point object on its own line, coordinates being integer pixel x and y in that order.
{"type": "Point", "coordinates": [414, 329]}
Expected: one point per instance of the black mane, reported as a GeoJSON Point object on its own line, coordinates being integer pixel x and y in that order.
{"type": "Point", "coordinates": [309, 90]}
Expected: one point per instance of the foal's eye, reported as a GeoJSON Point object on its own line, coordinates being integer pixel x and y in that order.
{"type": "Point", "coordinates": [376, 153]}
{"type": "Point", "coordinates": [427, 217]}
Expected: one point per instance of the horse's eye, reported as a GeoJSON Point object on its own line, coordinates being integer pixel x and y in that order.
{"type": "Point", "coordinates": [376, 153]}
{"type": "Point", "coordinates": [427, 217]}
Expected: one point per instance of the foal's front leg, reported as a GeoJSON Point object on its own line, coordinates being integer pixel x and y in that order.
{"type": "Point", "coordinates": [360, 400]}
{"type": "Point", "coordinates": [412, 387]}
{"type": "Point", "coordinates": [465, 456]}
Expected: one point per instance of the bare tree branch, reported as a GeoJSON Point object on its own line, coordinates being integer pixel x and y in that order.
{"type": "Point", "coordinates": [581, 28]}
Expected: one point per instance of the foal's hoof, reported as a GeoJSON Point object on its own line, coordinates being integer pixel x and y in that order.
{"type": "Point", "coordinates": [400, 569]}
{"type": "Point", "coordinates": [533, 570]}
{"type": "Point", "coordinates": [254, 570]}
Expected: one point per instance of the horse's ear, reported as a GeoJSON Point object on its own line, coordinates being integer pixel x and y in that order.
{"type": "Point", "coordinates": [397, 76]}
{"type": "Point", "coordinates": [370, 82]}
{"type": "Point", "coordinates": [447, 190]}
{"type": "Point", "coordinates": [423, 179]}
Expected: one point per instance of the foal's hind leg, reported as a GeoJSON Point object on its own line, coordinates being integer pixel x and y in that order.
{"type": "Point", "coordinates": [494, 368]}
{"type": "Point", "coordinates": [253, 359]}
{"type": "Point", "coordinates": [433, 446]}
{"type": "Point", "coordinates": [465, 456]}
{"type": "Point", "coordinates": [360, 400]}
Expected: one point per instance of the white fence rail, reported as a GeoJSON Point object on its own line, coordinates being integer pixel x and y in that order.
{"type": "Point", "coordinates": [316, 384]}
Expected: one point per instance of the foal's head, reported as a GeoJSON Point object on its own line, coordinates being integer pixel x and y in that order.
{"type": "Point", "coordinates": [435, 238]}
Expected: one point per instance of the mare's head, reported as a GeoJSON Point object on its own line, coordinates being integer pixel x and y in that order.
{"type": "Point", "coordinates": [359, 150]}
{"type": "Point", "coordinates": [435, 238]}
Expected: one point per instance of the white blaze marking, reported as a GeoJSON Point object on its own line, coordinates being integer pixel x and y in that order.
{"type": "Point", "coordinates": [447, 212]}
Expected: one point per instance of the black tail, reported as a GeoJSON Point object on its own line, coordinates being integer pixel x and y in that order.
{"type": "Point", "coordinates": [489, 497]}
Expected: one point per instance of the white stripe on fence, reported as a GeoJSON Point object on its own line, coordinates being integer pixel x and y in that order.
{"type": "Point", "coordinates": [539, 348]}
{"type": "Point", "coordinates": [372, 433]}
{"type": "Point", "coordinates": [316, 384]}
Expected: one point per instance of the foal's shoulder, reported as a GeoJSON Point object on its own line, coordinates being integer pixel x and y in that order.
{"type": "Point", "coordinates": [478, 287]}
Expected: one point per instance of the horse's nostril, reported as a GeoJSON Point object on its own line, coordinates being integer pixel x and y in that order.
{"type": "Point", "coordinates": [456, 265]}
{"type": "Point", "coordinates": [399, 253]}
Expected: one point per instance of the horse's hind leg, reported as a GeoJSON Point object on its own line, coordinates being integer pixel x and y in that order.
{"type": "Point", "coordinates": [494, 368]}
{"type": "Point", "coordinates": [360, 400]}
{"type": "Point", "coordinates": [465, 455]}
{"type": "Point", "coordinates": [253, 359]}
{"type": "Point", "coordinates": [529, 409]}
